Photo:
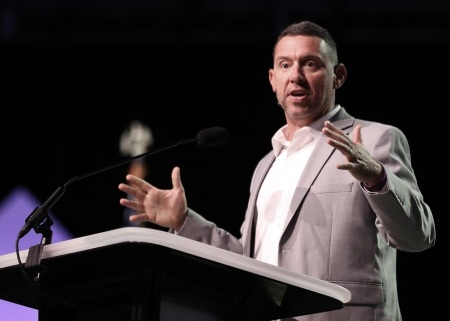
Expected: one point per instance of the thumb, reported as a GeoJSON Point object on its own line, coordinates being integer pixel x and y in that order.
{"type": "Point", "coordinates": [357, 134]}
{"type": "Point", "coordinates": [176, 178]}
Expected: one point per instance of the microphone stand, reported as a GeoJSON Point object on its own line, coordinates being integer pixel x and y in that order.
{"type": "Point", "coordinates": [33, 261]}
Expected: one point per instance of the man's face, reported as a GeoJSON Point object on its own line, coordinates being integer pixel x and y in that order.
{"type": "Point", "coordinates": [303, 78]}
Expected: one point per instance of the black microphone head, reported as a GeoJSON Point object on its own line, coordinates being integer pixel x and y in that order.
{"type": "Point", "coordinates": [211, 137]}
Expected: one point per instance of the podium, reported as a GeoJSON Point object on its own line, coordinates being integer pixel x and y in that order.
{"type": "Point", "coordinates": [136, 273]}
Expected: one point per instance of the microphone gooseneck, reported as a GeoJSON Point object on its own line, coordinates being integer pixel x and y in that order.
{"type": "Point", "coordinates": [208, 137]}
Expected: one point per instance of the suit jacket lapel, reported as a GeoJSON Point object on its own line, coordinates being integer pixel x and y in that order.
{"type": "Point", "coordinates": [320, 155]}
{"type": "Point", "coordinates": [248, 232]}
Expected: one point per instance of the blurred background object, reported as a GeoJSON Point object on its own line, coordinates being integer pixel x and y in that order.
{"type": "Point", "coordinates": [135, 140]}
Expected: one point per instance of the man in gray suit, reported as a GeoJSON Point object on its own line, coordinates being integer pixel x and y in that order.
{"type": "Point", "coordinates": [335, 198]}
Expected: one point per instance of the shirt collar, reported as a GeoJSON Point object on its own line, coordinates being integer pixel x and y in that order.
{"type": "Point", "coordinates": [279, 140]}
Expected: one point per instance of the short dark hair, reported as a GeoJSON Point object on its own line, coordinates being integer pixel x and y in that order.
{"type": "Point", "coordinates": [308, 28]}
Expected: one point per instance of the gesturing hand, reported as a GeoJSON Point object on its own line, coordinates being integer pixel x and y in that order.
{"type": "Point", "coordinates": [166, 208]}
{"type": "Point", "coordinates": [358, 161]}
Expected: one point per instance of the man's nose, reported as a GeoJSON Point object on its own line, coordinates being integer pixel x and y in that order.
{"type": "Point", "coordinates": [297, 75]}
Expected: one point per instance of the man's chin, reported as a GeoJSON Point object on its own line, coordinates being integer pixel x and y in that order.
{"type": "Point", "coordinates": [297, 112]}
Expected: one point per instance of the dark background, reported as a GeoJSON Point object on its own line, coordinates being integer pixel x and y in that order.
{"type": "Point", "coordinates": [75, 73]}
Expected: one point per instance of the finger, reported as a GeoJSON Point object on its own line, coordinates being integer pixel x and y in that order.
{"type": "Point", "coordinates": [130, 190]}
{"type": "Point", "coordinates": [126, 202]}
{"type": "Point", "coordinates": [329, 125]}
{"type": "Point", "coordinates": [132, 204]}
{"type": "Point", "coordinates": [335, 133]}
{"type": "Point", "coordinates": [344, 148]}
{"type": "Point", "coordinates": [332, 129]}
{"type": "Point", "coordinates": [176, 178]}
{"type": "Point", "coordinates": [139, 183]}
{"type": "Point", "coordinates": [125, 188]}
{"type": "Point", "coordinates": [138, 217]}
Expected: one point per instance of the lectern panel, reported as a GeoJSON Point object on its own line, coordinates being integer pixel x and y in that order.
{"type": "Point", "coordinates": [137, 274]}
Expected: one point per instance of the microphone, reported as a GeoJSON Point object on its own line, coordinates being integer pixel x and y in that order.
{"type": "Point", "coordinates": [208, 137]}
{"type": "Point", "coordinates": [211, 137]}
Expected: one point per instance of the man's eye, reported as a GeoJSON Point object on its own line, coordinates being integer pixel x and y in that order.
{"type": "Point", "coordinates": [311, 64]}
{"type": "Point", "coordinates": [284, 65]}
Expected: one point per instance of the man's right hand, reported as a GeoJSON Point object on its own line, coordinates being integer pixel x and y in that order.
{"type": "Point", "coordinates": [167, 208]}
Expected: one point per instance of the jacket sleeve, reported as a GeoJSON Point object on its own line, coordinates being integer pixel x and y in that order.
{"type": "Point", "coordinates": [198, 228]}
{"type": "Point", "coordinates": [403, 218]}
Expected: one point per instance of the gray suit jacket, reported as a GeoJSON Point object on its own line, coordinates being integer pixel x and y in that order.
{"type": "Point", "coordinates": [338, 232]}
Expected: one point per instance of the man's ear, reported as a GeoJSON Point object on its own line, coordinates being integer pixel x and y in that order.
{"type": "Point", "coordinates": [341, 75]}
{"type": "Point", "coordinates": [271, 80]}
